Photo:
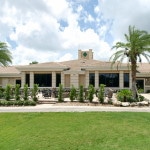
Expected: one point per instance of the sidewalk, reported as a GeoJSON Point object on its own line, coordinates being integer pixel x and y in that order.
{"type": "Point", "coordinates": [52, 108]}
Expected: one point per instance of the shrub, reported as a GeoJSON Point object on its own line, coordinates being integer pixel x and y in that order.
{"type": "Point", "coordinates": [17, 103]}
{"type": "Point", "coordinates": [35, 92]}
{"type": "Point", "coordinates": [10, 103]}
{"type": "Point", "coordinates": [2, 90]}
{"type": "Point", "coordinates": [141, 98]}
{"type": "Point", "coordinates": [32, 103]}
{"type": "Point", "coordinates": [124, 95]}
{"type": "Point", "coordinates": [72, 93]}
{"type": "Point", "coordinates": [140, 91]}
{"type": "Point", "coordinates": [91, 92]}
{"type": "Point", "coordinates": [17, 92]}
{"type": "Point", "coordinates": [101, 93]}
{"type": "Point", "coordinates": [25, 90]}
{"type": "Point", "coordinates": [8, 92]}
{"type": "Point", "coordinates": [60, 93]}
{"type": "Point", "coordinates": [81, 99]}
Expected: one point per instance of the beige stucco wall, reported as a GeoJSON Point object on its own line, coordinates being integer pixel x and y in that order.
{"type": "Point", "coordinates": [7, 80]}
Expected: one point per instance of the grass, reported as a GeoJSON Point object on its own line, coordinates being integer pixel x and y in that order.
{"type": "Point", "coordinates": [75, 131]}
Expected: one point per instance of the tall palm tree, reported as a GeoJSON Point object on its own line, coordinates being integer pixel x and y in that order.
{"type": "Point", "coordinates": [5, 55]}
{"type": "Point", "coordinates": [137, 45]}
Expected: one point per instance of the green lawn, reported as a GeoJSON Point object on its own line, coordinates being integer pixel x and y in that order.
{"type": "Point", "coordinates": [75, 131]}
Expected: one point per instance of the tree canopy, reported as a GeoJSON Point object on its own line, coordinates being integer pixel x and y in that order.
{"type": "Point", "coordinates": [5, 54]}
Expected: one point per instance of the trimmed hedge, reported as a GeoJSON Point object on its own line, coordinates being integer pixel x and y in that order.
{"type": "Point", "coordinates": [17, 103]}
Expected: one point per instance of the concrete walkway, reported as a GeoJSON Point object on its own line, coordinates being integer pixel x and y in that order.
{"type": "Point", "coordinates": [51, 108]}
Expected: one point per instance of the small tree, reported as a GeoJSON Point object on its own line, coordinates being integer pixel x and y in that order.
{"type": "Point", "coordinates": [35, 92]}
{"type": "Point", "coordinates": [72, 93]}
{"type": "Point", "coordinates": [124, 95]}
{"type": "Point", "coordinates": [17, 92]}
{"type": "Point", "coordinates": [8, 92]}
{"type": "Point", "coordinates": [25, 90]}
{"type": "Point", "coordinates": [91, 92]}
{"type": "Point", "coordinates": [81, 99]}
{"type": "Point", "coordinates": [101, 93]}
{"type": "Point", "coordinates": [60, 93]}
{"type": "Point", "coordinates": [137, 45]}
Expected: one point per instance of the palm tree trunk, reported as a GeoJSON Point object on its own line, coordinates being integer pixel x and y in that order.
{"type": "Point", "coordinates": [134, 88]}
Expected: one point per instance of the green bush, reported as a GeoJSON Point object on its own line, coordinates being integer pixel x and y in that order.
{"type": "Point", "coordinates": [101, 93]}
{"type": "Point", "coordinates": [60, 93]}
{"type": "Point", "coordinates": [91, 92]}
{"type": "Point", "coordinates": [17, 103]}
{"type": "Point", "coordinates": [141, 98]}
{"type": "Point", "coordinates": [72, 94]}
{"type": "Point", "coordinates": [140, 91]}
{"type": "Point", "coordinates": [17, 92]}
{"type": "Point", "coordinates": [124, 95]}
{"type": "Point", "coordinates": [35, 92]}
{"type": "Point", "coordinates": [25, 90]}
{"type": "Point", "coordinates": [7, 92]}
{"type": "Point", "coordinates": [80, 96]}
{"type": "Point", "coordinates": [2, 90]}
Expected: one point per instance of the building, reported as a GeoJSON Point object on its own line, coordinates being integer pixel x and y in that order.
{"type": "Point", "coordinates": [82, 71]}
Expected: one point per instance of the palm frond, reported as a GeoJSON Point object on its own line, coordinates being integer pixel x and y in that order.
{"type": "Point", "coordinates": [5, 54]}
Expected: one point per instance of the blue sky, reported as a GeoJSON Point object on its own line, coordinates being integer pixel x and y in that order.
{"type": "Point", "coordinates": [48, 30]}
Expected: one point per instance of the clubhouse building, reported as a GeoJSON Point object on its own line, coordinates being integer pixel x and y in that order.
{"type": "Point", "coordinates": [82, 71]}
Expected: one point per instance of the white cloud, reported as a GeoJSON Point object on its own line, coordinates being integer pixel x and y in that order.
{"type": "Point", "coordinates": [34, 26]}
{"type": "Point", "coordinates": [125, 13]}
{"type": "Point", "coordinates": [66, 57]}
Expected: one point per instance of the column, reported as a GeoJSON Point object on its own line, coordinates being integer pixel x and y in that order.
{"type": "Point", "coordinates": [87, 79]}
{"type": "Point", "coordinates": [53, 79]}
{"type": "Point", "coordinates": [96, 80]}
{"type": "Point", "coordinates": [31, 79]}
{"type": "Point", "coordinates": [121, 80]}
{"type": "Point", "coordinates": [62, 79]}
{"type": "Point", "coordinates": [23, 78]}
{"type": "Point", "coordinates": [75, 79]}
{"type": "Point", "coordinates": [130, 79]}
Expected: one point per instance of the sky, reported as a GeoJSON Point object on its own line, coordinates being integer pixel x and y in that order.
{"type": "Point", "coordinates": [54, 30]}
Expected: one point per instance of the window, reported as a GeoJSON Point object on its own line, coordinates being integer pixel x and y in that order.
{"type": "Point", "coordinates": [126, 79]}
{"type": "Point", "coordinates": [92, 79]}
{"type": "Point", "coordinates": [43, 80]}
{"type": "Point", "coordinates": [27, 79]}
{"type": "Point", "coordinates": [58, 79]}
{"type": "Point", "coordinates": [18, 82]}
{"type": "Point", "coordinates": [109, 79]}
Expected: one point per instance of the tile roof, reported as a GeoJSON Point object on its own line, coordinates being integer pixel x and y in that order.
{"type": "Point", "coordinates": [73, 65]}
{"type": "Point", "coordinates": [9, 71]}
{"type": "Point", "coordinates": [143, 68]}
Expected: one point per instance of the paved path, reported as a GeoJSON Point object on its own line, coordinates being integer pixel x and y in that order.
{"type": "Point", "coordinates": [51, 108]}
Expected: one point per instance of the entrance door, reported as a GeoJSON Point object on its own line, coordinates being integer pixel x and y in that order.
{"type": "Point", "coordinates": [140, 84]}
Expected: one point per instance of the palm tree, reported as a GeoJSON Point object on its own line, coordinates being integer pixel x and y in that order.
{"type": "Point", "coordinates": [5, 55]}
{"type": "Point", "coordinates": [136, 47]}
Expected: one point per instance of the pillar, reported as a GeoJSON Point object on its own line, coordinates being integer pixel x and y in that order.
{"type": "Point", "coordinates": [121, 80]}
{"type": "Point", "coordinates": [53, 79]}
{"type": "Point", "coordinates": [23, 78]}
{"type": "Point", "coordinates": [62, 79]}
{"type": "Point", "coordinates": [130, 80]}
{"type": "Point", "coordinates": [87, 79]}
{"type": "Point", "coordinates": [31, 79]}
{"type": "Point", "coordinates": [96, 79]}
